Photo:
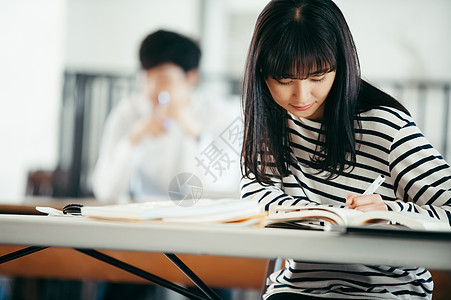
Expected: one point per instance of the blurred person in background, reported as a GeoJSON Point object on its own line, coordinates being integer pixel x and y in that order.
{"type": "Point", "coordinates": [154, 135]}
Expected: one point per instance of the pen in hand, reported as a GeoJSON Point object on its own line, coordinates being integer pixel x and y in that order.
{"type": "Point", "coordinates": [373, 187]}
{"type": "Point", "coordinates": [368, 201]}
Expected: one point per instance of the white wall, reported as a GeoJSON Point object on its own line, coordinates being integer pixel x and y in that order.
{"type": "Point", "coordinates": [406, 40]}
{"type": "Point", "coordinates": [401, 38]}
{"type": "Point", "coordinates": [31, 35]}
{"type": "Point", "coordinates": [104, 35]}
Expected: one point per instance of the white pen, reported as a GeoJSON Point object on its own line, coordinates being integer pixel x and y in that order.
{"type": "Point", "coordinates": [373, 187]}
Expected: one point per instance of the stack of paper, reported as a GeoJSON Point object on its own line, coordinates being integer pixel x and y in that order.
{"type": "Point", "coordinates": [203, 211]}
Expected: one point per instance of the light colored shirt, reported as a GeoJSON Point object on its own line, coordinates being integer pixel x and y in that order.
{"type": "Point", "coordinates": [146, 169]}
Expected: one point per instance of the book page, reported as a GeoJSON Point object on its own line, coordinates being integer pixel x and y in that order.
{"type": "Point", "coordinates": [221, 217]}
{"type": "Point", "coordinates": [166, 209]}
{"type": "Point", "coordinates": [333, 215]}
{"type": "Point", "coordinates": [408, 219]}
{"type": "Point", "coordinates": [297, 216]}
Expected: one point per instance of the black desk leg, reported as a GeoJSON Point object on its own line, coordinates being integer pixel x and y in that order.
{"type": "Point", "coordinates": [141, 273]}
{"type": "Point", "coordinates": [191, 275]}
{"type": "Point", "coordinates": [20, 253]}
{"type": "Point", "coordinates": [211, 295]}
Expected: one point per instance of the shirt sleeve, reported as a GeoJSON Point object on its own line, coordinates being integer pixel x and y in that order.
{"type": "Point", "coordinates": [421, 177]}
{"type": "Point", "coordinates": [114, 166]}
{"type": "Point", "coordinates": [271, 195]}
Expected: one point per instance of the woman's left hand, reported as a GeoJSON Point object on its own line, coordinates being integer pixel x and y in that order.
{"type": "Point", "coordinates": [366, 202]}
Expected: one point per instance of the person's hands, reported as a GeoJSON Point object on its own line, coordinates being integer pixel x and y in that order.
{"type": "Point", "coordinates": [176, 109]}
{"type": "Point", "coordinates": [151, 126]}
{"type": "Point", "coordinates": [160, 121]}
{"type": "Point", "coordinates": [366, 202]}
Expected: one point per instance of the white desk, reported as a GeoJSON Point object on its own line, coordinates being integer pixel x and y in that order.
{"type": "Point", "coordinates": [225, 240]}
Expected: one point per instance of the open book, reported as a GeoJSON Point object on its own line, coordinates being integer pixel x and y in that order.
{"type": "Point", "coordinates": [246, 212]}
{"type": "Point", "coordinates": [323, 216]}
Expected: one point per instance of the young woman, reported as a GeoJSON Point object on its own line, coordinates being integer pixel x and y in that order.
{"type": "Point", "coordinates": [316, 133]}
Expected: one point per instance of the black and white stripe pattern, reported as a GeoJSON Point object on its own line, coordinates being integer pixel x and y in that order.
{"type": "Point", "coordinates": [388, 143]}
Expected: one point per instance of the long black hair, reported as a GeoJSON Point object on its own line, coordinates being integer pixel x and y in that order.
{"type": "Point", "coordinates": [303, 37]}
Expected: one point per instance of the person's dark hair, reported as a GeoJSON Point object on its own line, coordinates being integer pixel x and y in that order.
{"type": "Point", "coordinates": [163, 46]}
{"type": "Point", "coordinates": [299, 38]}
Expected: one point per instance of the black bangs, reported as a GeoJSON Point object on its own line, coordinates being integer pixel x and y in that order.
{"type": "Point", "coordinates": [297, 52]}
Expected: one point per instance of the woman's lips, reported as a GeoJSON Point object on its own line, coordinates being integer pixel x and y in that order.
{"type": "Point", "coordinates": [302, 108]}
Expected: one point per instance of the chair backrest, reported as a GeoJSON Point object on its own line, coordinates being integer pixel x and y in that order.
{"type": "Point", "coordinates": [274, 265]}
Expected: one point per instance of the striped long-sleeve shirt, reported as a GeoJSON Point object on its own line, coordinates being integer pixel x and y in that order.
{"type": "Point", "coordinates": [388, 143]}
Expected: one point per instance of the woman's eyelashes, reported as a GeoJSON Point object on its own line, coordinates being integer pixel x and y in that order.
{"type": "Point", "coordinates": [284, 81]}
{"type": "Point", "coordinates": [287, 81]}
{"type": "Point", "coordinates": [317, 78]}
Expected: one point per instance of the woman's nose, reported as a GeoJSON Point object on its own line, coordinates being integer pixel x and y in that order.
{"type": "Point", "coordinates": [301, 90]}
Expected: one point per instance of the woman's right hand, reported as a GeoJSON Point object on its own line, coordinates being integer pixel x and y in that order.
{"type": "Point", "coordinates": [365, 202]}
